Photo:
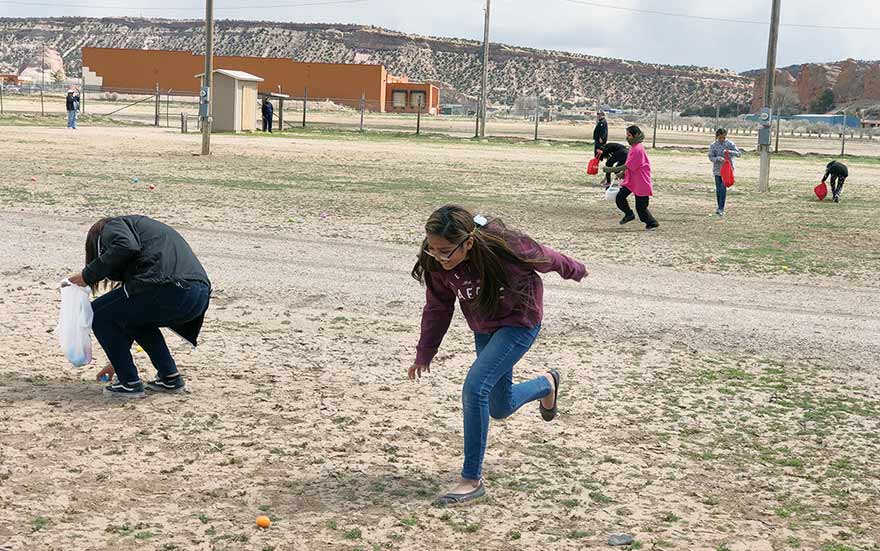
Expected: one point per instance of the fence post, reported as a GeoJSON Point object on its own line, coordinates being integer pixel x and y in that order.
{"type": "Point", "coordinates": [537, 115]}
{"type": "Point", "coordinates": [363, 101]}
{"type": "Point", "coordinates": [305, 103]}
{"type": "Point", "coordinates": [183, 123]}
{"type": "Point", "coordinates": [158, 104]}
{"type": "Point", "coordinates": [1, 95]}
{"type": "Point", "coordinates": [167, 107]}
{"type": "Point", "coordinates": [654, 137]}
{"type": "Point", "coordinates": [42, 109]}
{"type": "Point", "coordinates": [778, 119]}
{"type": "Point", "coordinates": [843, 139]}
{"type": "Point", "coordinates": [477, 131]}
{"type": "Point", "coordinates": [419, 118]}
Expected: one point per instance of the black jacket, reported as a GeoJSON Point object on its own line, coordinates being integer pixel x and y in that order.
{"type": "Point", "coordinates": [836, 168]}
{"type": "Point", "coordinates": [613, 148]}
{"type": "Point", "coordinates": [143, 253]}
{"type": "Point", "coordinates": [268, 109]}
{"type": "Point", "coordinates": [600, 133]}
{"type": "Point", "coordinates": [72, 102]}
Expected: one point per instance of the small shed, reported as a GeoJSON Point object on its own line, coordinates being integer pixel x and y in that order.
{"type": "Point", "coordinates": [233, 100]}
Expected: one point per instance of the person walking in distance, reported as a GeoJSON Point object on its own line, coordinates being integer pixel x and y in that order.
{"type": "Point", "coordinates": [600, 132]}
{"type": "Point", "coordinates": [268, 111]}
{"type": "Point", "coordinates": [720, 150]}
{"type": "Point", "coordinates": [72, 101]}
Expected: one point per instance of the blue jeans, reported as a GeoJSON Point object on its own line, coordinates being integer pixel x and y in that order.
{"type": "Point", "coordinates": [120, 320]}
{"type": "Point", "coordinates": [489, 390]}
{"type": "Point", "coordinates": [720, 192]}
{"type": "Point", "coordinates": [71, 119]}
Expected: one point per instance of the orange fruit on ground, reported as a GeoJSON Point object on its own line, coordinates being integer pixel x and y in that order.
{"type": "Point", "coordinates": [264, 522]}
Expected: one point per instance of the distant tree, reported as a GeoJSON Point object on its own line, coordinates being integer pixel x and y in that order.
{"type": "Point", "coordinates": [58, 76]}
{"type": "Point", "coordinates": [786, 101]}
{"type": "Point", "coordinates": [823, 103]}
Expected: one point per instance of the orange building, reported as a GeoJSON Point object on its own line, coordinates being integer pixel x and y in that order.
{"type": "Point", "coordinates": [127, 69]}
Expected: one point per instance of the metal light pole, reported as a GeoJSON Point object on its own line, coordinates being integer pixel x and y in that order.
{"type": "Point", "coordinates": [209, 69]}
{"type": "Point", "coordinates": [769, 82]}
{"type": "Point", "coordinates": [484, 91]}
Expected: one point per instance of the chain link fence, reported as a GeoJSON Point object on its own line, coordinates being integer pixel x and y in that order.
{"type": "Point", "coordinates": [179, 109]}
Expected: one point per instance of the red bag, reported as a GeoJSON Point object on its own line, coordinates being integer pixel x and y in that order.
{"type": "Point", "coordinates": [727, 171]}
{"type": "Point", "coordinates": [821, 191]}
{"type": "Point", "coordinates": [593, 166]}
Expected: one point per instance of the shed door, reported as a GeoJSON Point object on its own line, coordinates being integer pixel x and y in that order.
{"type": "Point", "coordinates": [248, 108]}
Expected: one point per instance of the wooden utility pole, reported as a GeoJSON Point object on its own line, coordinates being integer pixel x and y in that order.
{"type": "Point", "coordinates": [209, 77]}
{"type": "Point", "coordinates": [484, 91]}
{"type": "Point", "coordinates": [769, 82]}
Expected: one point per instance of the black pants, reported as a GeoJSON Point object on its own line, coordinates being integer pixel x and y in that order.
{"type": "Point", "coordinates": [641, 207]}
{"type": "Point", "coordinates": [267, 124]}
{"type": "Point", "coordinates": [837, 184]}
{"type": "Point", "coordinates": [617, 159]}
{"type": "Point", "coordinates": [121, 319]}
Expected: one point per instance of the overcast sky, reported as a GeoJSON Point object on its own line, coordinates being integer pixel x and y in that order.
{"type": "Point", "coordinates": [569, 25]}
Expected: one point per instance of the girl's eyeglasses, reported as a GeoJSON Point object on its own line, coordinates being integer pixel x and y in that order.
{"type": "Point", "coordinates": [447, 257]}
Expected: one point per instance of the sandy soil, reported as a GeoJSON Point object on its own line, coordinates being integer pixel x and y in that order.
{"type": "Point", "coordinates": [720, 375]}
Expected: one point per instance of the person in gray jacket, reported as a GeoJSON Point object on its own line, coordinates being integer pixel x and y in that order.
{"type": "Point", "coordinates": [717, 152]}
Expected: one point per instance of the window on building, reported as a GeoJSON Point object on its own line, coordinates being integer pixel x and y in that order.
{"type": "Point", "coordinates": [417, 99]}
{"type": "Point", "coordinates": [398, 99]}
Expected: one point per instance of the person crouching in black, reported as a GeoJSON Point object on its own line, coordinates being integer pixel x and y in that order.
{"type": "Point", "coordinates": [839, 173]}
{"type": "Point", "coordinates": [614, 154]}
{"type": "Point", "coordinates": [157, 281]}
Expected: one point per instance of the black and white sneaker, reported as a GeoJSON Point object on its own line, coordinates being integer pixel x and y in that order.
{"type": "Point", "coordinates": [627, 218]}
{"type": "Point", "coordinates": [125, 390]}
{"type": "Point", "coordinates": [172, 385]}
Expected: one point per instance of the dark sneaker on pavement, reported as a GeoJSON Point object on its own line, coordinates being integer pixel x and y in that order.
{"type": "Point", "coordinates": [627, 218]}
{"type": "Point", "coordinates": [125, 390]}
{"type": "Point", "coordinates": [173, 384]}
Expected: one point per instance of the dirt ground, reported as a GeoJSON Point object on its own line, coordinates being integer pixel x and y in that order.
{"type": "Point", "coordinates": [720, 375]}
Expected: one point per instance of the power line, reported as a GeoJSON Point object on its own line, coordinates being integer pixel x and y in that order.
{"type": "Point", "coordinates": [230, 8]}
{"type": "Point", "coordinates": [720, 19]}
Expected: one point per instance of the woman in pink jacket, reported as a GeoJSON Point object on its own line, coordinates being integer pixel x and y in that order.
{"type": "Point", "coordinates": [493, 273]}
{"type": "Point", "coordinates": [636, 181]}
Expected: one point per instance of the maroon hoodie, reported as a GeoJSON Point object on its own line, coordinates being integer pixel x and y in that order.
{"type": "Point", "coordinates": [522, 309]}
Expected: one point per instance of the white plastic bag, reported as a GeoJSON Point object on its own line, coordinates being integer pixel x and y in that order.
{"type": "Point", "coordinates": [75, 324]}
{"type": "Point", "coordinates": [611, 192]}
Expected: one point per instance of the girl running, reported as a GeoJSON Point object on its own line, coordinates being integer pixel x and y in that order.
{"type": "Point", "coordinates": [493, 273]}
{"type": "Point", "coordinates": [636, 180]}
